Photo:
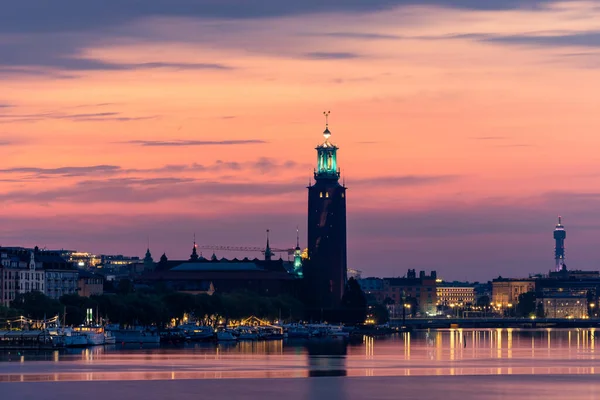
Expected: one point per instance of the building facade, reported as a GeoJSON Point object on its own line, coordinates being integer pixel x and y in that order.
{"type": "Point", "coordinates": [89, 284]}
{"type": "Point", "coordinates": [19, 273]}
{"type": "Point", "coordinates": [422, 288]}
{"type": "Point", "coordinates": [325, 271]}
{"type": "Point", "coordinates": [506, 292]}
{"type": "Point", "coordinates": [571, 304]}
{"type": "Point", "coordinates": [450, 294]}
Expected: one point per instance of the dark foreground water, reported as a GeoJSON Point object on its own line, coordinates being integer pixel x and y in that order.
{"type": "Point", "coordinates": [445, 364]}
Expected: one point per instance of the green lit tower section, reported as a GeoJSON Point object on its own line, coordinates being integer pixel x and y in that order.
{"type": "Point", "coordinates": [325, 270]}
{"type": "Point", "coordinates": [298, 256]}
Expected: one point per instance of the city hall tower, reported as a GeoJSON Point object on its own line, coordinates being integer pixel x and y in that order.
{"type": "Point", "coordinates": [326, 269]}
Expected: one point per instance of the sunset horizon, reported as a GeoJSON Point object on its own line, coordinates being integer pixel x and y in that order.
{"type": "Point", "coordinates": [464, 130]}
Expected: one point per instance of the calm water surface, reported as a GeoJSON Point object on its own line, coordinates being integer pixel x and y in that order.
{"type": "Point", "coordinates": [453, 364]}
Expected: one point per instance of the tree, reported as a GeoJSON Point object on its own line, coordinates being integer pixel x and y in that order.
{"type": "Point", "coordinates": [483, 302]}
{"type": "Point", "coordinates": [354, 304]}
{"type": "Point", "coordinates": [37, 305]}
{"type": "Point", "coordinates": [379, 313]}
{"type": "Point", "coordinates": [125, 286]}
{"type": "Point", "coordinates": [540, 313]}
{"type": "Point", "coordinates": [526, 305]}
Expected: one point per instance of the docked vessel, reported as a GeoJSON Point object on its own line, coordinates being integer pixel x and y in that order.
{"type": "Point", "coordinates": [197, 333]}
{"type": "Point", "coordinates": [226, 335]}
{"type": "Point", "coordinates": [135, 335]}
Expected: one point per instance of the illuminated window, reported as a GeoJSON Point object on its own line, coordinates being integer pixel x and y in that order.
{"type": "Point", "coordinates": [326, 194]}
{"type": "Point", "coordinates": [343, 195]}
{"type": "Point", "coordinates": [321, 194]}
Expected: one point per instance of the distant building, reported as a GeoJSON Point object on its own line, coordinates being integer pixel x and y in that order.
{"type": "Point", "coordinates": [61, 277]}
{"type": "Point", "coordinates": [20, 273]}
{"type": "Point", "coordinates": [373, 289]}
{"type": "Point", "coordinates": [564, 304]}
{"type": "Point", "coordinates": [89, 284]}
{"type": "Point", "coordinates": [506, 292]}
{"type": "Point", "coordinates": [422, 288]}
{"type": "Point", "coordinates": [452, 294]}
{"type": "Point", "coordinates": [264, 277]}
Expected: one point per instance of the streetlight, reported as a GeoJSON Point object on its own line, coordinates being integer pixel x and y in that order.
{"type": "Point", "coordinates": [510, 309]}
{"type": "Point", "coordinates": [592, 305]}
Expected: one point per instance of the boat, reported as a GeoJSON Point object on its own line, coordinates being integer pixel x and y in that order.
{"type": "Point", "coordinates": [68, 337]}
{"type": "Point", "coordinates": [198, 333]}
{"type": "Point", "coordinates": [109, 338]}
{"type": "Point", "coordinates": [297, 331]}
{"type": "Point", "coordinates": [226, 335]}
{"type": "Point", "coordinates": [136, 335]}
{"type": "Point", "coordinates": [269, 333]}
{"type": "Point", "coordinates": [21, 340]}
{"type": "Point", "coordinates": [338, 332]}
{"type": "Point", "coordinates": [94, 335]}
{"type": "Point", "coordinates": [172, 336]}
{"type": "Point", "coordinates": [246, 333]}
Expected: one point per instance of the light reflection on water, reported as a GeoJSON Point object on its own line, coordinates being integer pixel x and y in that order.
{"type": "Point", "coordinates": [423, 353]}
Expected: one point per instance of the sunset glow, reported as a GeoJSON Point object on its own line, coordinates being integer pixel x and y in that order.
{"type": "Point", "coordinates": [463, 132]}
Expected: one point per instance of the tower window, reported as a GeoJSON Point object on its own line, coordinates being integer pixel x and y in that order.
{"type": "Point", "coordinates": [321, 194]}
{"type": "Point", "coordinates": [343, 195]}
{"type": "Point", "coordinates": [326, 194]}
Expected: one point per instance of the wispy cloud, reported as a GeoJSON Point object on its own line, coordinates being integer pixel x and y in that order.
{"type": "Point", "coordinates": [404, 180]}
{"type": "Point", "coordinates": [361, 35]}
{"type": "Point", "coordinates": [331, 56]}
{"type": "Point", "coordinates": [261, 165]}
{"type": "Point", "coordinates": [81, 117]}
{"type": "Point", "coordinates": [180, 143]}
{"type": "Point", "coordinates": [64, 171]}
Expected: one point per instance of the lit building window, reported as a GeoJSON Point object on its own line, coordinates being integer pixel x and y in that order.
{"type": "Point", "coordinates": [321, 195]}
{"type": "Point", "coordinates": [326, 194]}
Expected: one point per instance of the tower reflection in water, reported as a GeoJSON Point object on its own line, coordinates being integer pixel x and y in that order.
{"type": "Point", "coordinates": [326, 358]}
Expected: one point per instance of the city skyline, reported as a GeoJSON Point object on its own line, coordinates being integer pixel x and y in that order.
{"type": "Point", "coordinates": [457, 152]}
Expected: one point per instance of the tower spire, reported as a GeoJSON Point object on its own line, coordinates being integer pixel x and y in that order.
{"type": "Point", "coordinates": [297, 237]}
{"type": "Point", "coordinates": [194, 255]}
{"type": "Point", "coordinates": [326, 132]}
{"type": "Point", "coordinates": [268, 252]}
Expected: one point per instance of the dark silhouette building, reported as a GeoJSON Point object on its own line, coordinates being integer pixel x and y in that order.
{"type": "Point", "coordinates": [325, 271]}
{"type": "Point", "coordinates": [559, 248]}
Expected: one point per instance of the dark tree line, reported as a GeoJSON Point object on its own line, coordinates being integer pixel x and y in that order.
{"type": "Point", "coordinates": [150, 308]}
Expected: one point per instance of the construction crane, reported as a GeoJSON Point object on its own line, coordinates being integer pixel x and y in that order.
{"type": "Point", "coordinates": [243, 248]}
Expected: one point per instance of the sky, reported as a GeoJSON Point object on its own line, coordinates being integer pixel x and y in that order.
{"type": "Point", "coordinates": [465, 128]}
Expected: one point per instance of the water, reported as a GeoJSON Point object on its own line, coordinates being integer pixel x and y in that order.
{"type": "Point", "coordinates": [449, 364]}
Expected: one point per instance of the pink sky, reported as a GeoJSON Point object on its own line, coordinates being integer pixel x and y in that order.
{"type": "Point", "coordinates": [463, 133]}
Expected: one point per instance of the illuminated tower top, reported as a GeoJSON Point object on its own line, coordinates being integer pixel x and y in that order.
{"type": "Point", "coordinates": [559, 248]}
{"type": "Point", "coordinates": [298, 255]}
{"type": "Point", "coordinates": [327, 156]}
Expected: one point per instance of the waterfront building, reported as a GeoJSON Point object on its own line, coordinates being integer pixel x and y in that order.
{"type": "Point", "coordinates": [422, 288]}
{"type": "Point", "coordinates": [89, 284]}
{"type": "Point", "coordinates": [264, 277]}
{"type": "Point", "coordinates": [506, 292]}
{"type": "Point", "coordinates": [325, 271]}
{"type": "Point", "coordinates": [450, 294]}
{"type": "Point", "coordinates": [61, 277]}
{"type": "Point", "coordinates": [563, 304]}
{"type": "Point", "coordinates": [373, 289]}
{"type": "Point", "coordinates": [19, 273]}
